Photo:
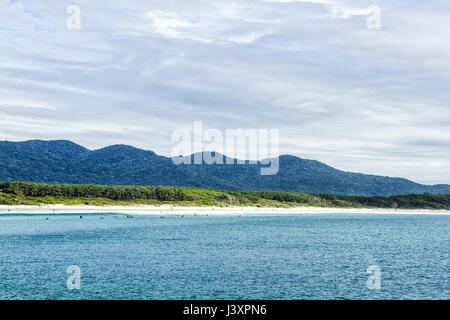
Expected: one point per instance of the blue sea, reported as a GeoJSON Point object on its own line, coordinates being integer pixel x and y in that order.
{"type": "Point", "coordinates": [305, 256]}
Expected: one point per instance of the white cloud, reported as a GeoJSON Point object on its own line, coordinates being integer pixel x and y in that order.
{"type": "Point", "coordinates": [167, 24]}
{"type": "Point", "coordinates": [308, 1]}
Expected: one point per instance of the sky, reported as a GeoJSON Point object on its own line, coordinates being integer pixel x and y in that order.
{"type": "Point", "coordinates": [358, 98]}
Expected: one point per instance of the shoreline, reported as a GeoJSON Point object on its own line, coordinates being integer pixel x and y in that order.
{"type": "Point", "coordinates": [176, 210]}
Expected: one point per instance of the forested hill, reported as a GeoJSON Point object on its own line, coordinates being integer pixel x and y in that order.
{"type": "Point", "coordinates": [66, 162]}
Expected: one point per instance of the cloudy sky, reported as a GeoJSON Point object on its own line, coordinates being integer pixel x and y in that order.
{"type": "Point", "coordinates": [354, 97]}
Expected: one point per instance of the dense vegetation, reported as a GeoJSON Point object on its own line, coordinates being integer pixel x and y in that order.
{"type": "Point", "coordinates": [66, 162]}
{"type": "Point", "coordinates": [14, 193]}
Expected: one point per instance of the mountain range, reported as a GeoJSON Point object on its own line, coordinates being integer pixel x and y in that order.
{"type": "Point", "coordinates": [61, 161]}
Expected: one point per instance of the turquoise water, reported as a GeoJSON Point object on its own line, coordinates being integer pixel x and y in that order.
{"type": "Point", "coordinates": [210, 257]}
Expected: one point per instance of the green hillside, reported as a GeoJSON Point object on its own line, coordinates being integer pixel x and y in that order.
{"type": "Point", "coordinates": [66, 162]}
{"type": "Point", "coordinates": [23, 193]}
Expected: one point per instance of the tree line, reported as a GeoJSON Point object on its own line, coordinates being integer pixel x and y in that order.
{"type": "Point", "coordinates": [124, 193]}
{"type": "Point", "coordinates": [174, 194]}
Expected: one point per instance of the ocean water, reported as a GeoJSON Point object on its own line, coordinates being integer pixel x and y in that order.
{"type": "Point", "coordinates": [313, 256]}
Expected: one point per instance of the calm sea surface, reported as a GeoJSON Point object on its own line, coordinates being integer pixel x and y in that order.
{"type": "Point", "coordinates": [315, 256]}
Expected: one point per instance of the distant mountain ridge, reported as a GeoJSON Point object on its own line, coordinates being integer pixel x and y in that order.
{"type": "Point", "coordinates": [61, 161]}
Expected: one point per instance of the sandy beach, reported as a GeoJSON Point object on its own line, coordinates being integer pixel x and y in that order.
{"type": "Point", "coordinates": [177, 210]}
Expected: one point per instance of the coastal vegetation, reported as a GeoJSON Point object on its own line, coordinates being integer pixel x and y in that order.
{"type": "Point", "coordinates": [24, 193]}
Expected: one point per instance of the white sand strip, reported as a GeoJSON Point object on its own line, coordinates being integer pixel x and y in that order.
{"type": "Point", "coordinates": [179, 210]}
